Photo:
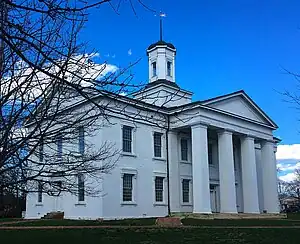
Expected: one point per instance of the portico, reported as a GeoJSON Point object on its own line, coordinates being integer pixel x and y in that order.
{"type": "Point", "coordinates": [236, 168]}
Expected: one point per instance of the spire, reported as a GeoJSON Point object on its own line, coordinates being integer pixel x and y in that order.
{"type": "Point", "coordinates": [161, 15]}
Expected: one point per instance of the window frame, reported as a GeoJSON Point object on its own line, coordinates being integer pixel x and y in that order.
{"type": "Point", "coordinates": [132, 139]}
{"type": "Point", "coordinates": [81, 188]}
{"type": "Point", "coordinates": [187, 149]}
{"type": "Point", "coordinates": [160, 145]}
{"type": "Point", "coordinates": [188, 178]}
{"type": "Point", "coordinates": [154, 68]}
{"type": "Point", "coordinates": [164, 190]}
{"type": "Point", "coordinates": [169, 69]}
{"type": "Point", "coordinates": [40, 192]}
{"type": "Point", "coordinates": [133, 174]}
{"type": "Point", "coordinates": [210, 154]}
{"type": "Point", "coordinates": [81, 140]}
{"type": "Point", "coordinates": [41, 151]}
{"type": "Point", "coordinates": [59, 146]}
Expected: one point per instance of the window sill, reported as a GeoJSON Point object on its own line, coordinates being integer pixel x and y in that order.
{"type": "Point", "coordinates": [128, 154]}
{"type": "Point", "coordinates": [159, 159]}
{"type": "Point", "coordinates": [80, 204]}
{"type": "Point", "coordinates": [185, 162]}
{"type": "Point", "coordinates": [186, 204]}
{"type": "Point", "coordinates": [39, 204]}
{"type": "Point", "coordinates": [128, 203]}
{"type": "Point", "coordinates": [157, 204]}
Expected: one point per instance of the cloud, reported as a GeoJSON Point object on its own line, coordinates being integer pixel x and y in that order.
{"type": "Point", "coordinates": [288, 152]}
{"type": "Point", "coordinates": [288, 167]}
{"type": "Point", "coordinates": [129, 52]}
{"type": "Point", "coordinates": [288, 177]}
{"type": "Point", "coordinates": [82, 65]}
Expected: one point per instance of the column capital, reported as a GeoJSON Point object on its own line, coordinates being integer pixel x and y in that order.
{"type": "Point", "coordinates": [172, 132]}
{"type": "Point", "coordinates": [247, 137]}
{"type": "Point", "coordinates": [265, 141]}
{"type": "Point", "coordinates": [225, 131]}
{"type": "Point", "coordinates": [199, 125]}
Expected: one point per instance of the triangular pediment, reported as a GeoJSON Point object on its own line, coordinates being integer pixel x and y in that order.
{"type": "Point", "coordinates": [240, 104]}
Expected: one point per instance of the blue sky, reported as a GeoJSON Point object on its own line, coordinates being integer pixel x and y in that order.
{"type": "Point", "coordinates": [222, 46]}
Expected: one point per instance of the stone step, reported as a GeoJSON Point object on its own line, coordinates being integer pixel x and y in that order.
{"type": "Point", "coordinates": [54, 215]}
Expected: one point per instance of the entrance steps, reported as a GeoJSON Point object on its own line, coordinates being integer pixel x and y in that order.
{"type": "Point", "coordinates": [54, 215]}
{"type": "Point", "coordinates": [231, 216]}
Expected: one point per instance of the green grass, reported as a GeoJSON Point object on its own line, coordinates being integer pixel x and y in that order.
{"type": "Point", "coordinates": [68, 222]}
{"type": "Point", "coordinates": [152, 236]}
{"type": "Point", "coordinates": [293, 216]}
{"type": "Point", "coordinates": [8, 219]}
{"type": "Point", "coordinates": [240, 222]}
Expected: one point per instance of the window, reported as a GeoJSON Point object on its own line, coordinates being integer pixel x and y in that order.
{"type": "Point", "coordinates": [210, 155]}
{"type": "Point", "coordinates": [169, 68]}
{"type": "Point", "coordinates": [59, 146]}
{"type": "Point", "coordinates": [154, 71]}
{"type": "Point", "coordinates": [40, 191]}
{"type": "Point", "coordinates": [185, 191]}
{"type": "Point", "coordinates": [184, 149]}
{"type": "Point", "coordinates": [127, 139]}
{"type": "Point", "coordinates": [41, 151]}
{"type": "Point", "coordinates": [157, 144]}
{"type": "Point", "coordinates": [80, 188]}
{"type": "Point", "coordinates": [81, 139]}
{"type": "Point", "coordinates": [159, 189]}
{"type": "Point", "coordinates": [127, 187]}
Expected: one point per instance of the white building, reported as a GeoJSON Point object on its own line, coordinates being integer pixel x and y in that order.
{"type": "Point", "coordinates": [215, 155]}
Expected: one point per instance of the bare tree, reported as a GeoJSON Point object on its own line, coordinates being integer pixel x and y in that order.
{"type": "Point", "coordinates": [53, 93]}
{"type": "Point", "coordinates": [46, 80]}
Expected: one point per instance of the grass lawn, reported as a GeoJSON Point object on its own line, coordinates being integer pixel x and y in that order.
{"type": "Point", "coordinates": [149, 236]}
{"type": "Point", "coordinates": [8, 219]}
{"type": "Point", "coordinates": [151, 221]}
{"type": "Point", "coordinates": [68, 222]}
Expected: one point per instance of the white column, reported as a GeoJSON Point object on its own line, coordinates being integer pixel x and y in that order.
{"type": "Point", "coordinates": [249, 175]}
{"type": "Point", "coordinates": [226, 173]}
{"type": "Point", "coordinates": [269, 177]}
{"type": "Point", "coordinates": [201, 193]}
{"type": "Point", "coordinates": [174, 172]}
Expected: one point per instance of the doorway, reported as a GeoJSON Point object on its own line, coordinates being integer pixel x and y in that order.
{"type": "Point", "coordinates": [213, 198]}
{"type": "Point", "coordinates": [57, 196]}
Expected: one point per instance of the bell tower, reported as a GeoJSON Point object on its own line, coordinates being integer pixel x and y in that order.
{"type": "Point", "coordinates": [162, 89]}
{"type": "Point", "coordinates": [161, 58]}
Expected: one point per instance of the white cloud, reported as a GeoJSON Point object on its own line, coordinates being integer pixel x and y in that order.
{"type": "Point", "coordinates": [129, 52]}
{"type": "Point", "coordinates": [288, 167]}
{"type": "Point", "coordinates": [288, 152]}
{"type": "Point", "coordinates": [288, 177]}
{"type": "Point", "coordinates": [81, 65]}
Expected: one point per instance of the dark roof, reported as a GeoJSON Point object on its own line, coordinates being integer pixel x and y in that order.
{"type": "Point", "coordinates": [161, 81]}
{"type": "Point", "coordinates": [161, 43]}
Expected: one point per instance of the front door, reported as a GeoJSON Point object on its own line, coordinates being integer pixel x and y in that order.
{"type": "Point", "coordinates": [213, 198]}
{"type": "Point", "coordinates": [57, 197]}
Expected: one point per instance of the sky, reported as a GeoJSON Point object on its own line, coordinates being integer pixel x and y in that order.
{"type": "Point", "coordinates": [222, 46]}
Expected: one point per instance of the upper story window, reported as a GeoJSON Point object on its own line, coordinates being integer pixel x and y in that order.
{"type": "Point", "coordinates": [41, 151]}
{"type": "Point", "coordinates": [210, 154]}
{"type": "Point", "coordinates": [169, 68]}
{"type": "Point", "coordinates": [127, 138]}
{"type": "Point", "coordinates": [154, 70]}
{"type": "Point", "coordinates": [59, 144]}
{"type": "Point", "coordinates": [157, 141]}
{"type": "Point", "coordinates": [81, 140]}
{"type": "Point", "coordinates": [184, 149]}
{"type": "Point", "coordinates": [80, 188]}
